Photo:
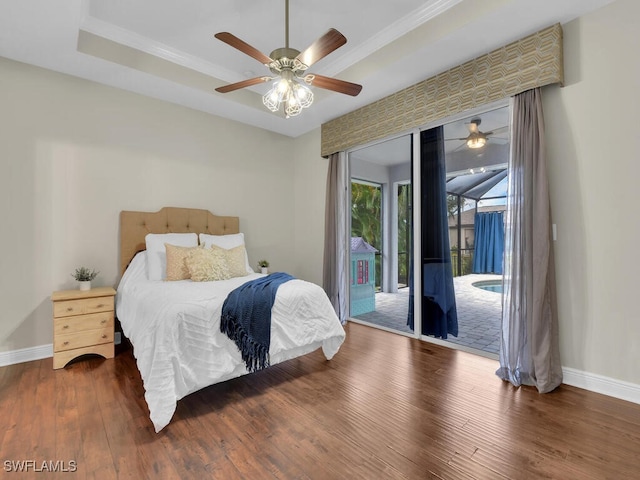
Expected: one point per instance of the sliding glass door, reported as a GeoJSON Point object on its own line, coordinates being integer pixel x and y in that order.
{"type": "Point", "coordinates": [476, 179]}
{"type": "Point", "coordinates": [425, 220]}
{"type": "Point", "coordinates": [381, 234]}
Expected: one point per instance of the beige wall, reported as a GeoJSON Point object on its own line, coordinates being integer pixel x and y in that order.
{"type": "Point", "coordinates": [74, 153]}
{"type": "Point", "coordinates": [310, 178]}
{"type": "Point", "coordinates": [592, 129]}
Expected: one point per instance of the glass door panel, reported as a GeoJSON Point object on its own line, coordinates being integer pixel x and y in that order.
{"type": "Point", "coordinates": [381, 233]}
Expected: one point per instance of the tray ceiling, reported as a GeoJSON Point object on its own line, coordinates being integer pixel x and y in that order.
{"type": "Point", "coordinates": [165, 48]}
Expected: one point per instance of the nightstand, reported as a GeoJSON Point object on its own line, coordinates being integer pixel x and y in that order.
{"type": "Point", "coordinates": [82, 323]}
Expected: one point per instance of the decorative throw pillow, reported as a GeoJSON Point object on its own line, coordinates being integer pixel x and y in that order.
{"type": "Point", "coordinates": [226, 241]}
{"type": "Point", "coordinates": [207, 265]}
{"type": "Point", "coordinates": [176, 262]}
{"type": "Point", "coordinates": [156, 254]}
{"type": "Point", "coordinates": [236, 259]}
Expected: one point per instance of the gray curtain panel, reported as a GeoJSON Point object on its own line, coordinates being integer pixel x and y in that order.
{"type": "Point", "coordinates": [335, 279]}
{"type": "Point", "coordinates": [529, 351]}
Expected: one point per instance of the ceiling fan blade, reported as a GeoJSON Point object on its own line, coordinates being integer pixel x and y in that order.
{"type": "Point", "coordinates": [245, 83]}
{"type": "Point", "coordinates": [460, 147]}
{"type": "Point", "coordinates": [334, 84]}
{"type": "Point", "coordinates": [498, 130]}
{"type": "Point", "coordinates": [322, 47]}
{"type": "Point", "coordinates": [244, 47]}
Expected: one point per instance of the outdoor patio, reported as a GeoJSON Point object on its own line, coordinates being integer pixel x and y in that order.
{"type": "Point", "coordinates": [479, 313]}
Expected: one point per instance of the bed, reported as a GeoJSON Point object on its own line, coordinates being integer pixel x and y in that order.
{"type": "Point", "coordinates": [174, 326]}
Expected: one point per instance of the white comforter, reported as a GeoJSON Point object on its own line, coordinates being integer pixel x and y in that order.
{"type": "Point", "coordinates": [174, 328]}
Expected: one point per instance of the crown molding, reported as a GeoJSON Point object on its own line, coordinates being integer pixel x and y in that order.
{"type": "Point", "coordinates": [133, 40]}
{"type": "Point", "coordinates": [126, 37]}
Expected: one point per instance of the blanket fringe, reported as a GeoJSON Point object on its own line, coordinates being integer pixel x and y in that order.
{"type": "Point", "coordinates": [254, 355]}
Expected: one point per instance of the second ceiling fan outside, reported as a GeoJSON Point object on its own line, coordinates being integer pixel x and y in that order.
{"type": "Point", "coordinates": [477, 138]}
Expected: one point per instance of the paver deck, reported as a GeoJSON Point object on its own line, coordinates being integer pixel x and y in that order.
{"type": "Point", "coordinates": [479, 313]}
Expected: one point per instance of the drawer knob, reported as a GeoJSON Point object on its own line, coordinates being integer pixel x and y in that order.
{"type": "Point", "coordinates": [66, 343]}
{"type": "Point", "coordinates": [103, 321]}
{"type": "Point", "coordinates": [66, 326]}
{"type": "Point", "coordinates": [104, 336]}
{"type": "Point", "coordinates": [100, 305]}
{"type": "Point", "coordinates": [70, 309]}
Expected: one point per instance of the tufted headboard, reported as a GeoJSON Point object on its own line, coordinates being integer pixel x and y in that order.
{"type": "Point", "coordinates": [134, 226]}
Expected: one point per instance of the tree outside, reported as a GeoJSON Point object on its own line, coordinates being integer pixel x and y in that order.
{"type": "Point", "coordinates": [366, 219]}
{"type": "Point", "coordinates": [404, 233]}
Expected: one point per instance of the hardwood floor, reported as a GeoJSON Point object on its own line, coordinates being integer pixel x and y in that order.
{"type": "Point", "coordinates": [386, 406]}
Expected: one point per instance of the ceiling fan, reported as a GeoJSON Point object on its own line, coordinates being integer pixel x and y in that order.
{"type": "Point", "coordinates": [477, 138]}
{"type": "Point", "coordinates": [289, 67]}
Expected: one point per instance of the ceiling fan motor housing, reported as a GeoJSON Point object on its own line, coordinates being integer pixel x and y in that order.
{"type": "Point", "coordinates": [285, 59]}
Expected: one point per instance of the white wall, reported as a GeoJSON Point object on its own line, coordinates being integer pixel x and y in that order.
{"type": "Point", "coordinates": [73, 154]}
{"type": "Point", "coordinates": [592, 130]}
{"type": "Point", "coordinates": [400, 173]}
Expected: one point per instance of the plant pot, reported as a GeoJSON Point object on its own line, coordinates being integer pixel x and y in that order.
{"type": "Point", "coordinates": [264, 270]}
{"type": "Point", "coordinates": [84, 285]}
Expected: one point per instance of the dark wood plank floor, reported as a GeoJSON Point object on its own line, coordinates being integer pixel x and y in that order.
{"type": "Point", "coordinates": [385, 407]}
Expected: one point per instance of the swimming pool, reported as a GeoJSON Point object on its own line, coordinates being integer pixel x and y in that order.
{"type": "Point", "coordinates": [489, 285]}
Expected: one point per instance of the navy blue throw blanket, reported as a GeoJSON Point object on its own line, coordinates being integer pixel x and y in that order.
{"type": "Point", "coordinates": [246, 318]}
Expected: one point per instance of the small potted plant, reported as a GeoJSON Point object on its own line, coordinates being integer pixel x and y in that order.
{"type": "Point", "coordinates": [84, 276]}
{"type": "Point", "coordinates": [264, 266]}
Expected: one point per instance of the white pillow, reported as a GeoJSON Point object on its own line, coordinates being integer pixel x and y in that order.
{"type": "Point", "coordinates": [227, 242]}
{"type": "Point", "coordinates": [157, 255]}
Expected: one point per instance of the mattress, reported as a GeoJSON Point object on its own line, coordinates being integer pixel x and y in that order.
{"type": "Point", "coordinates": [174, 328]}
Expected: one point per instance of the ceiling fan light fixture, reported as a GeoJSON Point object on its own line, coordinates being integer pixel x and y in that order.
{"type": "Point", "coordinates": [476, 140]}
{"type": "Point", "coordinates": [289, 92]}
{"type": "Point", "coordinates": [271, 100]}
{"type": "Point", "coordinates": [303, 95]}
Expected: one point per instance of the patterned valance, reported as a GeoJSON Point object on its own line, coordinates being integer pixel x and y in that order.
{"type": "Point", "coordinates": [533, 61]}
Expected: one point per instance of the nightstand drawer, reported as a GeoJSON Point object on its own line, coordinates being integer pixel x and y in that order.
{"type": "Point", "coordinates": [82, 306]}
{"type": "Point", "coordinates": [84, 338]}
{"type": "Point", "coordinates": [83, 323]}
{"type": "Point", "coordinates": [78, 323]}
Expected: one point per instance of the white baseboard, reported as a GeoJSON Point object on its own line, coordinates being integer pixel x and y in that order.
{"type": "Point", "coordinates": [601, 384]}
{"type": "Point", "coordinates": [25, 355]}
